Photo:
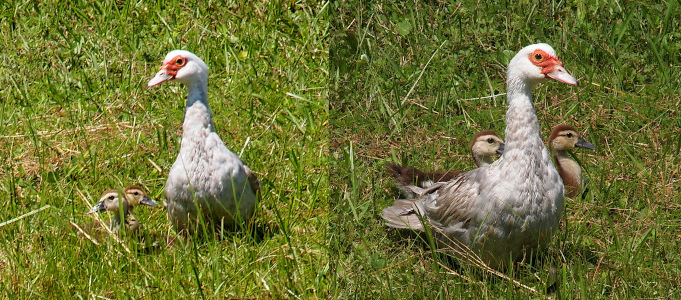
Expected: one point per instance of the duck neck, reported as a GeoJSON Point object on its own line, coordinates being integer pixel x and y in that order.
{"type": "Point", "coordinates": [118, 216]}
{"type": "Point", "coordinates": [569, 171]}
{"type": "Point", "coordinates": [522, 125]}
{"type": "Point", "coordinates": [197, 91]}
{"type": "Point", "coordinates": [197, 115]}
{"type": "Point", "coordinates": [482, 161]}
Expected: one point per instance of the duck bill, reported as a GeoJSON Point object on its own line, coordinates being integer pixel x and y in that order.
{"type": "Point", "coordinates": [559, 74]}
{"type": "Point", "coordinates": [97, 208]}
{"type": "Point", "coordinates": [582, 143]}
{"type": "Point", "coordinates": [161, 76]}
{"type": "Point", "coordinates": [501, 148]}
{"type": "Point", "coordinates": [148, 201]}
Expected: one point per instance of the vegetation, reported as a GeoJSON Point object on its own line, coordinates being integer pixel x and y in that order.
{"type": "Point", "coordinates": [412, 81]}
{"type": "Point", "coordinates": [77, 119]}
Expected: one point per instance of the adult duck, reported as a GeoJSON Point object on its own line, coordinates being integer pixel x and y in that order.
{"type": "Point", "coordinates": [499, 212]}
{"type": "Point", "coordinates": [207, 177]}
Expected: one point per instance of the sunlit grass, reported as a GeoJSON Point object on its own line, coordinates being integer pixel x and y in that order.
{"type": "Point", "coordinates": [77, 119]}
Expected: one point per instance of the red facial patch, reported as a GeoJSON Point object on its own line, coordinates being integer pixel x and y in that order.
{"type": "Point", "coordinates": [174, 65]}
{"type": "Point", "coordinates": [544, 60]}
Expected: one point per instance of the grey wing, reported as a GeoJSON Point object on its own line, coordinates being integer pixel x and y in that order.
{"type": "Point", "coordinates": [404, 214]}
{"type": "Point", "coordinates": [448, 206]}
{"type": "Point", "coordinates": [453, 205]}
{"type": "Point", "coordinates": [420, 191]}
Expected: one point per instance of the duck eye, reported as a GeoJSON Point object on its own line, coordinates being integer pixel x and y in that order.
{"type": "Point", "coordinates": [179, 61]}
{"type": "Point", "coordinates": [537, 56]}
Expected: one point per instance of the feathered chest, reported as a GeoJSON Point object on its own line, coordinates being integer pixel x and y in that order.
{"type": "Point", "coordinates": [204, 164]}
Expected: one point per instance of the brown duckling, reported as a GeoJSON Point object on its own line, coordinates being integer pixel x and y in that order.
{"type": "Point", "coordinates": [563, 139]}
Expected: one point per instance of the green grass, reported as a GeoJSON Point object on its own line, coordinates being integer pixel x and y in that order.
{"type": "Point", "coordinates": [404, 76]}
{"type": "Point", "coordinates": [77, 119]}
{"type": "Point", "coordinates": [406, 81]}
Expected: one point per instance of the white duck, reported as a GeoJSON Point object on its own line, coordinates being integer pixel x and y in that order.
{"type": "Point", "coordinates": [206, 175]}
{"type": "Point", "coordinates": [484, 147]}
{"type": "Point", "coordinates": [503, 210]}
{"type": "Point", "coordinates": [563, 139]}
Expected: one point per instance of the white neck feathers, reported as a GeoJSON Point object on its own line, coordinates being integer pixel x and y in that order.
{"type": "Point", "coordinates": [197, 114]}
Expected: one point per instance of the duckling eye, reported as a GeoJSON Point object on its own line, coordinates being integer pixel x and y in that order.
{"type": "Point", "coordinates": [136, 193]}
{"type": "Point", "coordinates": [538, 56]}
{"type": "Point", "coordinates": [569, 135]}
{"type": "Point", "coordinates": [111, 197]}
{"type": "Point", "coordinates": [490, 140]}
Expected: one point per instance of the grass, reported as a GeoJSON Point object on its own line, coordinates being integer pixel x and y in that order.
{"type": "Point", "coordinates": [77, 119]}
{"type": "Point", "coordinates": [410, 82]}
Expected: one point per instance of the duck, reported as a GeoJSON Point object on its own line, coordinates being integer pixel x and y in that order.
{"type": "Point", "coordinates": [501, 212]}
{"type": "Point", "coordinates": [563, 139]}
{"type": "Point", "coordinates": [484, 147]}
{"type": "Point", "coordinates": [121, 208]}
{"type": "Point", "coordinates": [206, 178]}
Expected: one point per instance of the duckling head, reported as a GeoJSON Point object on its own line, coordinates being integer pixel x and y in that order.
{"type": "Point", "coordinates": [110, 202]}
{"type": "Point", "coordinates": [485, 145]}
{"type": "Point", "coordinates": [136, 196]}
{"type": "Point", "coordinates": [565, 138]}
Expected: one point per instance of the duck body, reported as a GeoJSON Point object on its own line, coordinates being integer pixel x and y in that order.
{"type": "Point", "coordinates": [206, 178]}
{"type": "Point", "coordinates": [506, 209]}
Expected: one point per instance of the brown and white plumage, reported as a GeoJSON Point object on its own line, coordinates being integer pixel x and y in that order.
{"type": "Point", "coordinates": [502, 210]}
{"type": "Point", "coordinates": [484, 147]}
{"type": "Point", "coordinates": [563, 139]}
{"type": "Point", "coordinates": [206, 175]}
{"type": "Point", "coordinates": [137, 196]}
{"type": "Point", "coordinates": [121, 207]}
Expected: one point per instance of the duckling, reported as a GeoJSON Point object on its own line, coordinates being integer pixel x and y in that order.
{"type": "Point", "coordinates": [122, 207]}
{"type": "Point", "coordinates": [563, 139]}
{"type": "Point", "coordinates": [484, 147]}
